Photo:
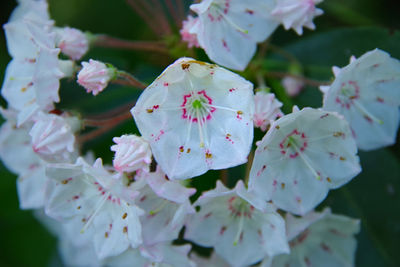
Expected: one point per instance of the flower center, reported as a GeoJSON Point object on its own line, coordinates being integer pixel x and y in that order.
{"type": "Point", "coordinates": [240, 207]}
{"type": "Point", "coordinates": [293, 144]}
{"type": "Point", "coordinates": [347, 94]}
{"type": "Point", "coordinates": [195, 107]}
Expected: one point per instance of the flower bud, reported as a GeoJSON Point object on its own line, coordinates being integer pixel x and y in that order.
{"type": "Point", "coordinates": [131, 153]}
{"type": "Point", "coordinates": [72, 42]}
{"type": "Point", "coordinates": [95, 75]}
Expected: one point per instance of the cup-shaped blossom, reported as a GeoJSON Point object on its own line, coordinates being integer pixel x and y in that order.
{"type": "Point", "coordinates": [32, 78]}
{"type": "Point", "coordinates": [95, 75]}
{"type": "Point", "coordinates": [52, 137]}
{"type": "Point", "coordinates": [302, 156]}
{"type": "Point", "coordinates": [196, 116]}
{"type": "Point", "coordinates": [100, 204]}
{"type": "Point", "coordinates": [242, 228]}
{"type": "Point", "coordinates": [131, 153]}
{"type": "Point", "coordinates": [297, 14]}
{"type": "Point", "coordinates": [267, 109]}
{"type": "Point", "coordinates": [366, 92]}
{"type": "Point", "coordinates": [72, 42]}
{"type": "Point", "coordinates": [187, 36]}
{"type": "Point", "coordinates": [319, 239]}
{"type": "Point", "coordinates": [18, 156]}
{"type": "Point", "coordinates": [229, 30]}
{"type": "Point", "coordinates": [166, 204]}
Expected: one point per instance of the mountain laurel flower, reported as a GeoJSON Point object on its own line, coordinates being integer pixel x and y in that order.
{"type": "Point", "coordinates": [72, 42]}
{"type": "Point", "coordinates": [95, 75]}
{"type": "Point", "coordinates": [187, 36]}
{"type": "Point", "coordinates": [319, 239]}
{"type": "Point", "coordinates": [229, 30]}
{"type": "Point", "coordinates": [166, 204]}
{"type": "Point", "coordinates": [100, 203]}
{"type": "Point", "coordinates": [297, 14]}
{"type": "Point", "coordinates": [267, 109]}
{"type": "Point", "coordinates": [196, 116]}
{"type": "Point", "coordinates": [371, 106]}
{"type": "Point", "coordinates": [302, 156]}
{"type": "Point", "coordinates": [132, 153]}
{"type": "Point", "coordinates": [18, 156]}
{"type": "Point", "coordinates": [52, 137]}
{"type": "Point", "coordinates": [242, 229]}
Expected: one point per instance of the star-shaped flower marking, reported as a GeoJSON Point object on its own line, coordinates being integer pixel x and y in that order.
{"type": "Point", "coordinates": [229, 30]}
{"type": "Point", "coordinates": [366, 92]}
{"type": "Point", "coordinates": [302, 156]}
{"type": "Point", "coordinates": [242, 228]}
{"type": "Point", "coordinates": [196, 116]}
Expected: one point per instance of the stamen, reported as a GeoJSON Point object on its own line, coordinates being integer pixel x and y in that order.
{"type": "Point", "coordinates": [292, 142]}
{"type": "Point", "coordinates": [366, 112]}
{"type": "Point", "coordinates": [200, 128]}
{"type": "Point", "coordinates": [99, 206]}
{"type": "Point", "coordinates": [234, 25]}
{"type": "Point", "coordinates": [159, 208]}
{"type": "Point", "coordinates": [239, 232]}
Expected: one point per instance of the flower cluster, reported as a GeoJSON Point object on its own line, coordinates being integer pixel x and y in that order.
{"type": "Point", "coordinates": [194, 117]}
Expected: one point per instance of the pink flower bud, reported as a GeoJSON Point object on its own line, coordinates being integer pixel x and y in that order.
{"type": "Point", "coordinates": [52, 137]}
{"type": "Point", "coordinates": [131, 153]}
{"type": "Point", "coordinates": [292, 86]}
{"type": "Point", "coordinates": [187, 36]}
{"type": "Point", "coordinates": [267, 109]}
{"type": "Point", "coordinates": [94, 76]}
{"type": "Point", "coordinates": [72, 42]}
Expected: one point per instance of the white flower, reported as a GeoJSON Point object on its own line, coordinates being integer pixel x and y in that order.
{"type": "Point", "coordinates": [267, 109]}
{"type": "Point", "coordinates": [94, 76]}
{"type": "Point", "coordinates": [72, 42]}
{"type": "Point", "coordinates": [32, 78]}
{"type": "Point", "coordinates": [319, 239]}
{"type": "Point", "coordinates": [196, 116]}
{"type": "Point", "coordinates": [302, 156]}
{"type": "Point", "coordinates": [160, 255]}
{"type": "Point", "coordinates": [18, 156]}
{"type": "Point", "coordinates": [241, 228]}
{"type": "Point", "coordinates": [366, 93]}
{"type": "Point", "coordinates": [166, 204]}
{"type": "Point", "coordinates": [52, 137]}
{"type": "Point", "coordinates": [101, 205]}
{"type": "Point", "coordinates": [186, 35]}
{"type": "Point", "coordinates": [297, 14]}
{"type": "Point", "coordinates": [131, 153]}
{"type": "Point", "coordinates": [229, 30]}
{"type": "Point", "coordinates": [292, 86]}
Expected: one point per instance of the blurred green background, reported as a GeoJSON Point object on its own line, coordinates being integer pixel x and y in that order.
{"type": "Point", "coordinates": [348, 27]}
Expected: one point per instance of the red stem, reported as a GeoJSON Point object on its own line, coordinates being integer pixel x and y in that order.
{"type": "Point", "coordinates": [107, 41]}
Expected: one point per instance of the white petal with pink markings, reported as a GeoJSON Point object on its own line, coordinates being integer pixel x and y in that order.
{"type": "Point", "coordinates": [101, 205]}
{"type": "Point", "coordinates": [229, 30]}
{"type": "Point", "coordinates": [302, 156]}
{"type": "Point", "coordinates": [242, 229]}
{"type": "Point", "coordinates": [366, 92]}
{"type": "Point", "coordinates": [321, 239]}
{"type": "Point", "coordinates": [196, 116]}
